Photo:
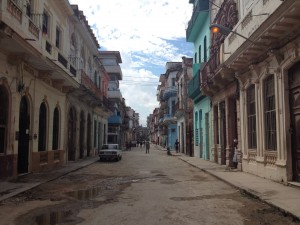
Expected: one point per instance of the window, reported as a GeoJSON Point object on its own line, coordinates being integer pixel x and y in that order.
{"type": "Point", "coordinates": [28, 8]}
{"type": "Point", "coordinates": [58, 38]}
{"type": "Point", "coordinates": [42, 128]}
{"type": "Point", "coordinates": [173, 108]}
{"type": "Point", "coordinates": [173, 82]}
{"type": "Point", "coordinates": [82, 54]}
{"type": "Point", "coordinates": [3, 118]}
{"type": "Point", "coordinates": [96, 79]}
{"type": "Point", "coordinates": [195, 58]}
{"type": "Point", "coordinates": [205, 50]}
{"type": "Point", "coordinates": [251, 114]}
{"type": "Point", "coordinates": [270, 113]}
{"type": "Point", "coordinates": [200, 55]}
{"type": "Point", "coordinates": [95, 133]}
{"type": "Point", "coordinates": [90, 66]}
{"type": "Point", "coordinates": [45, 25]}
{"type": "Point", "coordinates": [196, 129]}
{"type": "Point", "coordinates": [55, 129]}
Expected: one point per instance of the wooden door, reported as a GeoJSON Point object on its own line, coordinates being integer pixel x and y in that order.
{"type": "Point", "coordinates": [294, 83]}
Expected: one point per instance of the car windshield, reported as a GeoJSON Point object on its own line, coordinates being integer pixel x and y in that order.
{"type": "Point", "coordinates": [112, 146]}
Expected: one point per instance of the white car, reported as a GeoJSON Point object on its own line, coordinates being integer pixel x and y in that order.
{"type": "Point", "coordinates": [110, 151]}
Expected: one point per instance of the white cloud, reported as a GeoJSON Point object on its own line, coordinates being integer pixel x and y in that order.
{"type": "Point", "coordinates": [145, 33]}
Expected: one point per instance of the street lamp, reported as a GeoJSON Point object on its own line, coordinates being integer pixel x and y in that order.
{"type": "Point", "coordinates": [217, 28]}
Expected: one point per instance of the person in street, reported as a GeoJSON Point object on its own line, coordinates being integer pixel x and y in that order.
{"type": "Point", "coordinates": [176, 145]}
{"type": "Point", "coordinates": [130, 143]}
{"type": "Point", "coordinates": [141, 144]}
{"type": "Point", "coordinates": [234, 159]}
{"type": "Point", "coordinates": [147, 147]}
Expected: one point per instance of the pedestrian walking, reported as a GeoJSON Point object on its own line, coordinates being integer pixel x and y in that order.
{"type": "Point", "coordinates": [234, 159]}
{"type": "Point", "coordinates": [147, 147]}
{"type": "Point", "coordinates": [176, 145]}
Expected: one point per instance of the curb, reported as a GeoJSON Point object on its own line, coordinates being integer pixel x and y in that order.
{"type": "Point", "coordinates": [249, 192]}
{"type": "Point", "coordinates": [24, 189]}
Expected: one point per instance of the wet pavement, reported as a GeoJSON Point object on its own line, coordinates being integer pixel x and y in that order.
{"type": "Point", "coordinates": [283, 197]}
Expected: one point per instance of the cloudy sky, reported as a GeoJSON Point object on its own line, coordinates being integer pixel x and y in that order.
{"type": "Point", "coordinates": [148, 33]}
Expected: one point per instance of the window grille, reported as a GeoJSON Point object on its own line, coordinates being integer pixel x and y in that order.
{"type": "Point", "coordinates": [196, 137]}
{"type": "Point", "coordinates": [270, 113]}
{"type": "Point", "coordinates": [251, 113]}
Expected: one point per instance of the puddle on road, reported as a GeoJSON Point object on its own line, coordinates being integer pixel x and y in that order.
{"type": "Point", "coordinates": [53, 218]}
{"type": "Point", "coordinates": [86, 194]}
{"type": "Point", "coordinates": [82, 199]}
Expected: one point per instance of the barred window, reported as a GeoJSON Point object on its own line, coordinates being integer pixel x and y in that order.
{"type": "Point", "coordinates": [270, 113]}
{"type": "Point", "coordinates": [251, 114]}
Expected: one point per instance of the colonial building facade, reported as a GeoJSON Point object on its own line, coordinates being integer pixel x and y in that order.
{"type": "Point", "coordinates": [253, 80]}
{"type": "Point", "coordinates": [53, 88]}
{"type": "Point", "coordinates": [184, 108]}
{"type": "Point", "coordinates": [199, 34]}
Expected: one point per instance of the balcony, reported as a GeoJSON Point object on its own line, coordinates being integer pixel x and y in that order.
{"type": "Point", "coordinates": [115, 120]}
{"type": "Point", "coordinates": [170, 92]}
{"type": "Point", "coordinates": [163, 105]}
{"type": "Point", "coordinates": [194, 86]}
{"type": "Point", "coordinates": [88, 84]}
{"type": "Point", "coordinates": [215, 76]}
{"type": "Point", "coordinates": [200, 13]}
{"type": "Point", "coordinates": [115, 94]}
{"type": "Point", "coordinates": [180, 109]}
{"type": "Point", "coordinates": [169, 119]}
{"type": "Point", "coordinates": [160, 92]}
{"type": "Point", "coordinates": [115, 70]}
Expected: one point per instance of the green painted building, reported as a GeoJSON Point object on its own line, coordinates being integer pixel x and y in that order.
{"type": "Point", "coordinates": [198, 33]}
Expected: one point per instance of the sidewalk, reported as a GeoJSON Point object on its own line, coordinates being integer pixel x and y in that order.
{"type": "Point", "coordinates": [26, 182]}
{"type": "Point", "coordinates": [283, 197]}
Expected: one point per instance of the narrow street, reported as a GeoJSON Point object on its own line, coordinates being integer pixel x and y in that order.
{"type": "Point", "coordinates": [140, 189]}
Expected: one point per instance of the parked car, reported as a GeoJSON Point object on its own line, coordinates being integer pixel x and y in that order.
{"type": "Point", "coordinates": [110, 152]}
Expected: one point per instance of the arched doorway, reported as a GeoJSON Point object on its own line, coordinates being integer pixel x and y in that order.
{"type": "Point", "coordinates": [23, 143]}
{"type": "Point", "coordinates": [81, 136]}
{"type": "Point", "coordinates": [294, 90]}
{"type": "Point", "coordinates": [71, 134]}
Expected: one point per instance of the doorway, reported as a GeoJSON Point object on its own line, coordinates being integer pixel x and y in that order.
{"type": "Point", "coordinates": [294, 90]}
{"type": "Point", "coordinates": [207, 145]}
{"type": "Point", "coordinates": [223, 132]}
{"type": "Point", "coordinates": [71, 134]}
{"type": "Point", "coordinates": [23, 139]}
{"type": "Point", "coordinates": [81, 135]}
{"type": "Point", "coordinates": [89, 133]}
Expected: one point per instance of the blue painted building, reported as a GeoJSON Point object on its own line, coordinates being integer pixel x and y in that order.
{"type": "Point", "coordinates": [168, 98]}
{"type": "Point", "coordinates": [198, 33]}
